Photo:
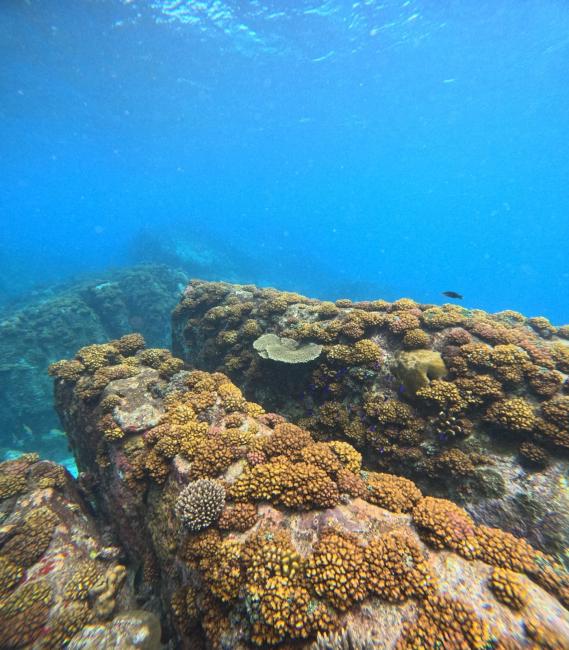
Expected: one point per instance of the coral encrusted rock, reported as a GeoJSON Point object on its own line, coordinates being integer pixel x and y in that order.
{"type": "Point", "coordinates": [58, 574]}
{"type": "Point", "coordinates": [56, 324]}
{"type": "Point", "coordinates": [310, 549]}
{"type": "Point", "coordinates": [458, 400]}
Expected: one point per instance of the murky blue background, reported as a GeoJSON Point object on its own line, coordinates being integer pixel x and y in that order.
{"type": "Point", "coordinates": [363, 149]}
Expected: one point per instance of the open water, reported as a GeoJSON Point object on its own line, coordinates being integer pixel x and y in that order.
{"type": "Point", "coordinates": [362, 149]}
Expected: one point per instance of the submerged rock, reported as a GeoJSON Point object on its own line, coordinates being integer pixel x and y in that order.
{"type": "Point", "coordinates": [58, 572]}
{"type": "Point", "coordinates": [56, 325]}
{"type": "Point", "coordinates": [470, 405]}
{"type": "Point", "coordinates": [309, 549]}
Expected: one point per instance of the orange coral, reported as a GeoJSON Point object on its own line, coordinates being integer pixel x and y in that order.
{"type": "Point", "coordinates": [348, 456]}
{"type": "Point", "coordinates": [239, 517]}
{"type": "Point", "coordinates": [514, 415]}
{"type": "Point", "coordinates": [337, 571]}
{"type": "Point", "coordinates": [446, 623]}
{"type": "Point", "coordinates": [443, 524]}
{"type": "Point", "coordinates": [393, 493]}
{"type": "Point", "coordinates": [31, 538]}
{"type": "Point", "coordinates": [416, 338]}
{"type": "Point", "coordinates": [508, 588]}
{"type": "Point", "coordinates": [287, 439]}
{"type": "Point", "coordinates": [23, 613]}
{"type": "Point", "coordinates": [397, 568]}
{"type": "Point", "coordinates": [442, 395]}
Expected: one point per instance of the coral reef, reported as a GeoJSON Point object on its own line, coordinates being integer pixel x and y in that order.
{"type": "Point", "coordinates": [275, 348]}
{"type": "Point", "coordinates": [255, 534]}
{"type": "Point", "coordinates": [467, 404]}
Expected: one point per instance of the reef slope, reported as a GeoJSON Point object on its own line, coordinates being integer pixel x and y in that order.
{"type": "Point", "coordinates": [253, 534]}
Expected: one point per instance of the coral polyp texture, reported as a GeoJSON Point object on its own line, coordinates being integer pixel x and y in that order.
{"type": "Point", "coordinates": [250, 532]}
{"type": "Point", "coordinates": [470, 405]}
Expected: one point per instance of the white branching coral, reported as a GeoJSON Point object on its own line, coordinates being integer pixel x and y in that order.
{"type": "Point", "coordinates": [200, 503]}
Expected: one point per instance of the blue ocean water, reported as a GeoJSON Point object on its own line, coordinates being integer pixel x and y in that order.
{"type": "Point", "coordinates": [371, 148]}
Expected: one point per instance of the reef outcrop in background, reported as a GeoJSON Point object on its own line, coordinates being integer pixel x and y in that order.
{"type": "Point", "coordinates": [255, 534]}
{"type": "Point", "coordinates": [471, 405]}
{"type": "Point", "coordinates": [56, 325]}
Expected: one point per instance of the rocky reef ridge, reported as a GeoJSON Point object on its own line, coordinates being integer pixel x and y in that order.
{"type": "Point", "coordinates": [243, 530]}
{"type": "Point", "coordinates": [471, 406]}
{"type": "Point", "coordinates": [61, 583]}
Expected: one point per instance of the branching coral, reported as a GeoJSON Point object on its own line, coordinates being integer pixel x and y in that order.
{"type": "Point", "coordinates": [11, 484]}
{"type": "Point", "coordinates": [31, 538]}
{"type": "Point", "coordinates": [557, 411]}
{"type": "Point", "coordinates": [286, 440]}
{"type": "Point", "coordinates": [10, 575]}
{"type": "Point", "coordinates": [416, 338]}
{"type": "Point", "coordinates": [362, 352]}
{"type": "Point", "coordinates": [479, 390]}
{"type": "Point", "coordinates": [438, 318]}
{"type": "Point", "coordinates": [446, 623]}
{"type": "Point", "coordinates": [23, 613]}
{"type": "Point", "coordinates": [348, 456]}
{"type": "Point", "coordinates": [397, 568]}
{"type": "Point", "coordinates": [442, 395]}
{"type": "Point", "coordinates": [510, 363]}
{"type": "Point", "coordinates": [402, 322]}
{"type": "Point", "coordinates": [130, 344]}
{"type": "Point", "coordinates": [443, 524]}
{"type": "Point", "coordinates": [294, 485]}
{"type": "Point", "coordinates": [200, 504]}
{"type": "Point", "coordinates": [508, 588]}
{"type": "Point", "coordinates": [239, 517]}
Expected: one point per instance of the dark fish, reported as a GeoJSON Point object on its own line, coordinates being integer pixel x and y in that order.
{"type": "Point", "coordinates": [452, 294]}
